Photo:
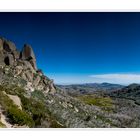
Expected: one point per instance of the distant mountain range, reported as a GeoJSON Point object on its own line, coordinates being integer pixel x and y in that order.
{"type": "Point", "coordinates": [131, 92]}
{"type": "Point", "coordinates": [89, 88]}
{"type": "Point", "coordinates": [103, 86]}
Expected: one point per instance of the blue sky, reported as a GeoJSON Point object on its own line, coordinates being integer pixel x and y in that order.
{"type": "Point", "coordinates": [79, 47]}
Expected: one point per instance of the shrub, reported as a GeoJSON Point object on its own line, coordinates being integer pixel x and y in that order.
{"type": "Point", "coordinates": [38, 95]}
{"type": "Point", "coordinates": [12, 89]}
{"type": "Point", "coordinates": [2, 125]}
{"type": "Point", "coordinates": [14, 114]}
{"type": "Point", "coordinates": [19, 117]}
{"type": "Point", "coordinates": [36, 108]}
{"type": "Point", "coordinates": [103, 102]}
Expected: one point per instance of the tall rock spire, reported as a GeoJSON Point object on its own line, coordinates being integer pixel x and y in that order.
{"type": "Point", "coordinates": [28, 54]}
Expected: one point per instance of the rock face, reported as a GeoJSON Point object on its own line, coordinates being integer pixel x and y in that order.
{"type": "Point", "coordinates": [23, 65]}
{"type": "Point", "coordinates": [9, 46]}
{"type": "Point", "coordinates": [28, 54]}
{"type": "Point", "coordinates": [1, 44]}
{"type": "Point", "coordinates": [9, 59]}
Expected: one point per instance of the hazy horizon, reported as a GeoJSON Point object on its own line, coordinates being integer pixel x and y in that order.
{"type": "Point", "coordinates": [122, 79]}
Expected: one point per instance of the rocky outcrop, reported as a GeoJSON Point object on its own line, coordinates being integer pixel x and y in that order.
{"type": "Point", "coordinates": [9, 59]}
{"type": "Point", "coordinates": [28, 54]}
{"type": "Point", "coordinates": [9, 46]}
{"type": "Point", "coordinates": [36, 81]}
{"type": "Point", "coordinates": [1, 44]}
{"type": "Point", "coordinates": [16, 54]}
{"type": "Point", "coordinates": [16, 100]}
{"type": "Point", "coordinates": [23, 65]}
{"type": "Point", "coordinates": [10, 55]}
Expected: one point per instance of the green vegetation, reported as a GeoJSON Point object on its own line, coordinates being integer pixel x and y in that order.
{"type": "Point", "coordinates": [2, 125]}
{"type": "Point", "coordinates": [38, 110]}
{"type": "Point", "coordinates": [1, 47]}
{"type": "Point", "coordinates": [19, 117]}
{"type": "Point", "coordinates": [35, 76]}
{"type": "Point", "coordinates": [35, 108]}
{"type": "Point", "coordinates": [105, 103]}
{"type": "Point", "coordinates": [30, 106]}
{"type": "Point", "coordinates": [12, 90]}
{"type": "Point", "coordinates": [38, 95]}
{"type": "Point", "coordinates": [15, 115]}
{"type": "Point", "coordinates": [33, 112]}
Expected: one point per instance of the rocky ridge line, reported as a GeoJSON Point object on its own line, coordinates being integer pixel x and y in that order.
{"type": "Point", "coordinates": [22, 64]}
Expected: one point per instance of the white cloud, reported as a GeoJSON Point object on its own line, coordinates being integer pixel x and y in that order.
{"type": "Point", "coordinates": [117, 78]}
{"type": "Point", "coordinates": [100, 78]}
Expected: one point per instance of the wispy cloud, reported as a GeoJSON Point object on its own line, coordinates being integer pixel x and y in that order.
{"type": "Point", "coordinates": [99, 78]}
{"type": "Point", "coordinates": [117, 78]}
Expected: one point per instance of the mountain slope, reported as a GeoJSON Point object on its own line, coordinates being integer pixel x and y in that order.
{"type": "Point", "coordinates": [131, 92]}
{"type": "Point", "coordinates": [28, 98]}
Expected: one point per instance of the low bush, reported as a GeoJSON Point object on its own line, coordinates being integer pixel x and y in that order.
{"type": "Point", "coordinates": [15, 115]}
{"type": "Point", "coordinates": [103, 102]}
{"type": "Point", "coordinates": [19, 117]}
{"type": "Point", "coordinates": [38, 95]}
{"type": "Point", "coordinates": [12, 89]}
{"type": "Point", "coordinates": [34, 110]}
{"type": "Point", "coordinates": [2, 125]}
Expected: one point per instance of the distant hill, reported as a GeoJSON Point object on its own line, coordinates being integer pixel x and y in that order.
{"type": "Point", "coordinates": [103, 86]}
{"type": "Point", "coordinates": [131, 92]}
{"type": "Point", "coordinates": [90, 88]}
